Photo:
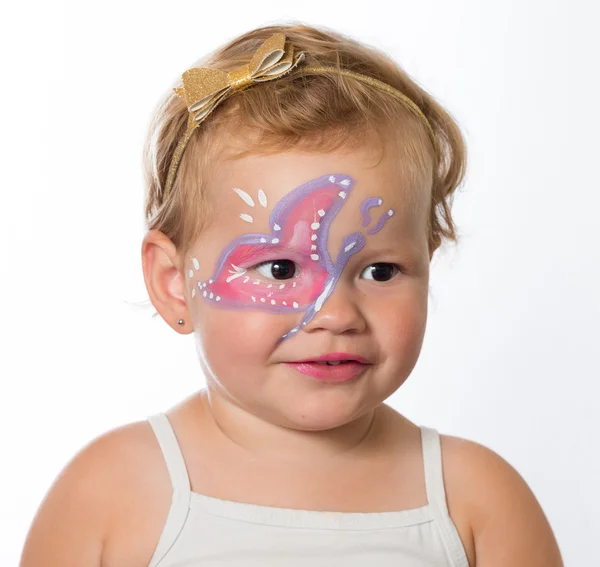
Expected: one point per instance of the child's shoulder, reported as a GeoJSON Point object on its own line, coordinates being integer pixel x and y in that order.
{"type": "Point", "coordinates": [507, 523]}
{"type": "Point", "coordinates": [497, 515]}
{"type": "Point", "coordinates": [89, 497]}
{"type": "Point", "coordinates": [140, 494]}
{"type": "Point", "coordinates": [107, 506]}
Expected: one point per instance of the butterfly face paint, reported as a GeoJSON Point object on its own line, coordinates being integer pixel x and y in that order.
{"type": "Point", "coordinates": [299, 229]}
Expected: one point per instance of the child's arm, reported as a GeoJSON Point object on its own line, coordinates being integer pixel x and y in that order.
{"type": "Point", "coordinates": [508, 523]}
{"type": "Point", "coordinates": [71, 523]}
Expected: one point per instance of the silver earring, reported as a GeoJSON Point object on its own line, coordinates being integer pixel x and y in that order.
{"type": "Point", "coordinates": [180, 322]}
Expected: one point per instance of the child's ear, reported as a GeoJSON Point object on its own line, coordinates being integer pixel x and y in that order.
{"type": "Point", "coordinates": [164, 281]}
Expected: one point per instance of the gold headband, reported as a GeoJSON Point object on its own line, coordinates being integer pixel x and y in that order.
{"type": "Point", "coordinates": [203, 88]}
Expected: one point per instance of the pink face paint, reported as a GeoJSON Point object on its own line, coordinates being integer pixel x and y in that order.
{"type": "Point", "coordinates": [299, 229]}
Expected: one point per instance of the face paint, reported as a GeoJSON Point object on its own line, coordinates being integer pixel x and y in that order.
{"type": "Point", "coordinates": [299, 229]}
{"type": "Point", "coordinates": [365, 206]}
{"type": "Point", "coordinates": [382, 220]}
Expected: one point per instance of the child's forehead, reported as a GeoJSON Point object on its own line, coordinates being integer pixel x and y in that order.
{"type": "Point", "coordinates": [259, 182]}
{"type": "Point", "coordinates": [281, 200]}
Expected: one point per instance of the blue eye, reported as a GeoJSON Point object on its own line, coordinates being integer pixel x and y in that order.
{"type": "Point", "coordinates": [382, 270]}
{"type": "Point", "coordinates": [279, 270]}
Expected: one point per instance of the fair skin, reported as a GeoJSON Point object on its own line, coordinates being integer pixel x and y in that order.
{"type": "Point", "coordinates": [261, 429]}
{"type": "Point", "coordinates": [265, 408]}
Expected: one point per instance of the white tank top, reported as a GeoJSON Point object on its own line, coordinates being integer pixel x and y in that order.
{"type": "Point", "coordinates": [202, 530]}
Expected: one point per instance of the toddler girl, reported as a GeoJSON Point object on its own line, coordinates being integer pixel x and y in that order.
{"type": "Point", "coordinates": [298, 184]}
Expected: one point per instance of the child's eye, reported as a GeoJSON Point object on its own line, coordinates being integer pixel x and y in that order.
{"type": "Point", "coordinates": [382, 270]}
{"type": "Point", "coordinates": [285, 269]}
{"type": "Point", "coordinates": [281, 269]}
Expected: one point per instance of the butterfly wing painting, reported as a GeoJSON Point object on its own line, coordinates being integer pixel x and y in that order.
{"type": "Point", "coordinates": [299, 226]}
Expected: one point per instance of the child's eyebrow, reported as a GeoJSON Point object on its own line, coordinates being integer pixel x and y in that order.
{"type": "Point", "coordinates": [403, 247]}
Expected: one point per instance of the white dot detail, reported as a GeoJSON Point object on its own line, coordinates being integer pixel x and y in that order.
{"type": "Point", "coordinates": [275, 241]}
{"type": "Point", "coordinates": [314, 256]}
{"type": "Point", "coordinates": [218, 298]}
{"type": "Point", "coordinates": [345, 182]}
{"type": "Point", "coordinates": [246, 217]}
{"type": "Point", "coordinates": [262, 299]}
{"type": "Point", "coordinates": [321, 212]}
{"type": "Point", "coordinates": [191, 273]}
{"type": "Point", "coordinates": [196, 264]}
{"type": "Point", "coordinates": [211, 295]}
{"type": "Point", "coordinates": [313, 237]}
{"type": "Point", "coordinates": [193, 292]}
{"type": "Point", "coordinates": [263, 240]}
{"type": "Point", "coordinates": [332, 179]}
{"type": "Point", "coordinates": [276, 227]}
{"type": "Point", "coordinates": [295, 304]}
{"type": "Point", "coordinates": [315, 225]}
{"type": "Point", "coordinates": [272, 302]}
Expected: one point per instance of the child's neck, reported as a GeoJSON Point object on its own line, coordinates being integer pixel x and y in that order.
{"type": "Point", "coordinates": [256, 439]}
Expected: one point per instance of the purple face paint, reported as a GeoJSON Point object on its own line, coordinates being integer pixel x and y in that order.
{"type": "Point", "coordinates": [300, 225]}
{"type": "Point", "coordinates": [382, 220]}
{"type": "Point", "coordinates": [366, 205]}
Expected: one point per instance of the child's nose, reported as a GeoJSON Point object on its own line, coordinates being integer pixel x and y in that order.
{"type": "Point", "coordinates": [339, 312]}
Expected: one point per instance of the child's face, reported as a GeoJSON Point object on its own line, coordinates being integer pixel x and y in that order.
{"type": "Point", "coordinates": [329, 230]}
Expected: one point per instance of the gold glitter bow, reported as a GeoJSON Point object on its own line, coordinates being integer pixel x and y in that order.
{"type": "Point", "coordinates": [203, 88]}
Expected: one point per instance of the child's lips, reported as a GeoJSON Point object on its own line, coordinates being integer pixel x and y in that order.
{"type": "Point", "coordinates": [335, 357]}
{"type": "Point", "coordinates": [329, 373]}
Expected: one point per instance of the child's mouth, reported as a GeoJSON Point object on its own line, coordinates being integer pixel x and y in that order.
{"type": "Point", "coordinates": [330, 371]}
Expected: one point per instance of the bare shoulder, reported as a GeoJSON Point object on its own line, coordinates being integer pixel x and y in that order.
{"type": "Point", "coordinates": [73, 522]}
{"type": "Point", "coordinates": [507, 522]}
{"type": "Point", "coordinates": [70, 522]}
{"type": "Point", "coordinates": [139, 498]}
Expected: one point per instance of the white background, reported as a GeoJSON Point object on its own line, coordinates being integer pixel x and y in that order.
{"type": "Point", "coordinates": [510, 357]}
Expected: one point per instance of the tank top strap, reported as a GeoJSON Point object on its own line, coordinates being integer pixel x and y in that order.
{"type": "Point", "coordinates": [171, 452]}
{"type": "Point", "coordinates": [432, 460]}
{"type": "Point", "coordinates": [436, 495]}
{"type": "Point", "coordinates": [180, 481]}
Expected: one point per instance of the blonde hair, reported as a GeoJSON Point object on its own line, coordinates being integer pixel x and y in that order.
{"type": "Point", "coordinates": [301, 111]}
